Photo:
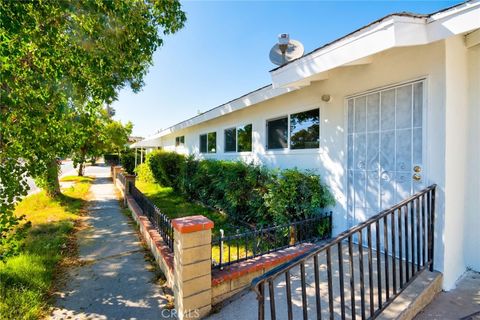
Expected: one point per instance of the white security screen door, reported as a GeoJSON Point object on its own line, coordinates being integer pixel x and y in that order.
{"type": "Point", "coordinates": [385, 153]}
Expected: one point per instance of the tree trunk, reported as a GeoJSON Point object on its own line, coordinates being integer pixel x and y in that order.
{"type": "Point", "coordinates": [52, 185]}
{"type": "Point", "coordinates": [82, 162]}
{"type": "Point", "coordinates": [293, 238]}
{"type": "Point", "coordinates": [80, 169]}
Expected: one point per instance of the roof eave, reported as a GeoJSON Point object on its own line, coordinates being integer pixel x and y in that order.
{"type": "Point", "coordinates": [389, 32]}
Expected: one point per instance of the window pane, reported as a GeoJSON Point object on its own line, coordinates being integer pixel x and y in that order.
{"type": "Point", "coordinates": [231, 140]}
{"type": "Point", "coordinates": [203, 143]}
{"type": "Point", "coordinates": [245, 138]}
{"type": "Point", "coordinates": [212, 142]}
{"type": "Point", "coordinates": [305, 129]}
{"type": "Point", "coordinates": [182, 140]}
{"type": "Point", "coordinates": [177, 141]}
{"type": "Point", "coordinates": [277, 131]}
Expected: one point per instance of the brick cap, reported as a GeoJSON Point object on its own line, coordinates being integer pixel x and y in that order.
{"type": "Point", "coordinates": [192, 224]}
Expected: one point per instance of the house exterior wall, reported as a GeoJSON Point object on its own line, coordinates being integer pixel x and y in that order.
{"type": "Point", "coordinates": [472, 196]}
{"type": "Point", "coordinates": [387, 68]}
{"type": "Point", "coordinates": [451, 129]}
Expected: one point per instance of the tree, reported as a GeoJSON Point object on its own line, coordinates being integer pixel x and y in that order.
{"type": "Point", "coordinates": [117, 136]}
{"type": "Point", "coordinates": [61, 58]}
{"type": "Point", "coordinates": [97, 134]}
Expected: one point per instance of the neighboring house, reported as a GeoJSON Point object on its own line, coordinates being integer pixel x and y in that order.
{"type": "Point", "coordinates": [134, 139]}
{"type": "Point", "coordinates": [380, 113]}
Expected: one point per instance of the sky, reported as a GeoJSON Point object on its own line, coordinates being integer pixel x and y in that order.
{"type": "Point", "coordinates": [222, 52]}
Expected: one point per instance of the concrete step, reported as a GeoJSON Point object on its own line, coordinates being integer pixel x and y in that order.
{"type": "Point", "coordinates": [415, 297]}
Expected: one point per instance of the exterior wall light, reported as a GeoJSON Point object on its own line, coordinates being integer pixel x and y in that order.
{"type": "Point", "coordinates": [326, 98]}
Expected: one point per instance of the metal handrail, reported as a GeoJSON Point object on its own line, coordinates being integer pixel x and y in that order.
{"type": "Point", "coordinates": [413, 203]}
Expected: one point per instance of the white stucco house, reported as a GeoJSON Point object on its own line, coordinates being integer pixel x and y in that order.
{"type": "Point", "coordinates": [380, 113]}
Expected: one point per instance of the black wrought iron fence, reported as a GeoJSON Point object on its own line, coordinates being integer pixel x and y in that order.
{"type": "Point", "coordinates": [360, 271]}
{"type": "Point", "coordinates": [230, 249]}
{"type": "Point", "coordinates": [160, 221]}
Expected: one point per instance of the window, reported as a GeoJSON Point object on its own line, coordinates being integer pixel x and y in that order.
{"type": "Point", "coordinates": [180, 141]}
{"type": "Point", "coordinates": [238, 139]}
{"type": "Point", "coordinates": [244, 137]}
{"type": "Point", "coordinates": [212, 142]}
{"type": "Point", "coordinates": [231, 140]}
{"type": "Point", "coordinates": [305, 129]}
{"type": "Point", "coordinates": [208, 142]}
{"type": "Point", "coordinates": [277, 133]}
{"type": "Point", "coordinates": [203, 143]}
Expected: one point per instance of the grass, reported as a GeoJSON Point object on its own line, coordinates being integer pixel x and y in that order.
{"type": "Point", "coordinates": [176, 206]}
{"type": "Point", "coordinates": [27, 278]}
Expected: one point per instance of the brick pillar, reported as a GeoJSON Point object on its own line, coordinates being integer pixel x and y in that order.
{"type": "Point", "coordinates": [192, 266]}
{"type": "Point", "coordinates": [116, 171]}
{"type": "Point", "coordinates": [129, 180]}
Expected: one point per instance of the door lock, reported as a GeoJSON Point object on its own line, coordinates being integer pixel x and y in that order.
{"type": "Point", "coordinates": [417, 169]}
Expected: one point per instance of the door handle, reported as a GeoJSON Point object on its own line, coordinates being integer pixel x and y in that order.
{"type": "Point", "coordinates": [416, 177]}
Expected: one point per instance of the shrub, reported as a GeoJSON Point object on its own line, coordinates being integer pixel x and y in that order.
{"type": "Point", "coordinates": [166, 168]}
{"type": "Point", "coordinates": [188, 172]}
{"type": "Point", "coordinates": [296, 195]}
{"type": "Point", "coordinates": [111, 159]}
{"type": "Point", "coordinates": [246, 192]}
{"type": "Point", "coordinates": [127, 159]}
{"type": "Point", "coordinates": [144, 174]}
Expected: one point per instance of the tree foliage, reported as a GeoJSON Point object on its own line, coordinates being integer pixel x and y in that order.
{"type": "Point", "coordinates": [94, 134]}
{"type": "Point", "coordinates": [59, 59]}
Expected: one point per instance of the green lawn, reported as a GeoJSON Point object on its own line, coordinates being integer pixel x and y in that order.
{"type": "Point", "coordinates": [175, 206]}
{"type": "Point", "coordinates": [27, 279]}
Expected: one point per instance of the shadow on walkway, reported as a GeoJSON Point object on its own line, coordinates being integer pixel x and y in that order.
{"type": "Point", "coordinates": [115, 280]}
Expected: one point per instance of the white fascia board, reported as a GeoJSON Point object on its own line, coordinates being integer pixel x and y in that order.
{"type": "Point", "coordinates": [459, 20]}
{"type": "Point", "coordinates": [232, 106]}
{"type": "Point", "coordinates": [152, 142]}
{"type": "Point", "coordinates": [394, 31]}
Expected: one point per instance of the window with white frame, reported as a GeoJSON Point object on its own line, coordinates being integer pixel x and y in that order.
{"type": "Point", "coordinates": [238, 139]}
{"type": "Point", "coordinates": [244, 138]}
{"type": "Point", "coordinates": [277, 133]}
{"type": "Point", "coordinates": [212, 142]}
{"type": "Point", "coordinates": [230, 139]}
{"type": "Point", "coordinates": [180, 141]}
{"type": "Point", "coordinates": [208, 142]}
{"type": "Point", "coordinates": [203, 143]}
{"type": "Point", "coordinates": [305, 129]}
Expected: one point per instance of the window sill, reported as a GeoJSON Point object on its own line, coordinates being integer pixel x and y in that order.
{"type": "Point", "coordinates": [293, 152]}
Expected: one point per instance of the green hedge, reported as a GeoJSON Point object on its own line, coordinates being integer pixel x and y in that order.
{"type": "Point", "coordinates": [111, 159]}
{"type": "Point", "coordinates": [127, 159]}
{"type": "Point", "coordinates": [244, 191]}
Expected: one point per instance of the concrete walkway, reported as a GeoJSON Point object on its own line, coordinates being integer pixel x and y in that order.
{"type": "Point", "coordinates": [115, 281]}
{"type": "Point", "coordinates": [463, 302]}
